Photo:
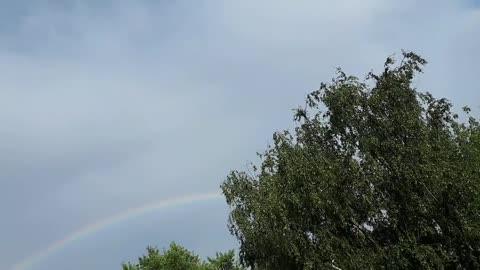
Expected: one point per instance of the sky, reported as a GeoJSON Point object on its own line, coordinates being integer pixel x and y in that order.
{"type": "Point", "coordinates": [109, 105]}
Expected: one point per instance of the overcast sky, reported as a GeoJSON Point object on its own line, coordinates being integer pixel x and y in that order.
{"type": "Point", "coordinates": [106, 105]}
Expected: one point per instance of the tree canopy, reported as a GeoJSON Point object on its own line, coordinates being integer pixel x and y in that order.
{"type": "Point", "coordinates": [178, 258]}
{"type": "Point", "coordinates": [376, 175]}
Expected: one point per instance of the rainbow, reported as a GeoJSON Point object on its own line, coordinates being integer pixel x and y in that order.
{"type": "Point", "coordinates": [92, 228]}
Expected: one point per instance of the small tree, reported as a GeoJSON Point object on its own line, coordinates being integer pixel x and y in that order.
{"type": "Point", "coordinates": [224, 261]}
{"type": "Point", "coordinates": [175, 258]}
{"type": "Point", "coordinates": [375, 176]}
{"type": "Point", "coordinates": [179, 258]}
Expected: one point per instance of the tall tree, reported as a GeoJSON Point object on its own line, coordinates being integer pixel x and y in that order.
{"type": "Point", "coordinates": [376, 175]}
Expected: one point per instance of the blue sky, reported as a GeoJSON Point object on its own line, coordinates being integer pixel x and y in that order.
{"type": "Point", "coordinates": [107, 105]}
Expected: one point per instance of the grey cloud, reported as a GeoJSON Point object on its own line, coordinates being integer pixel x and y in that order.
{"type": "Point", "coordinates": [107, 106]}
{"type": "Point", "coordinates": [189, 226]}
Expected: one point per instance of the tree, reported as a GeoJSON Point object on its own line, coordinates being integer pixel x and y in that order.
{"type": "Point", "coordinates": [179, 258]}
{"type": "Point", "coordinates": [175, 258]}
{"type": "Point", "coordinates": [375, 176]}
{"type": "Point", "coordinates": [224, 261]}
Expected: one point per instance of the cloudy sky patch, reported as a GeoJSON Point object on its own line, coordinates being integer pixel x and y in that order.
{"type": "Point", "coordinates": [107, 106]}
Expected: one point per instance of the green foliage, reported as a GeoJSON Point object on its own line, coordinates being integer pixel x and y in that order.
{"type": "Point", "coordinates": [223, 261]}
{"type": "Point", "coordinates": [375, 176]}
{"type": "Point", "coordinates": [179, 258]}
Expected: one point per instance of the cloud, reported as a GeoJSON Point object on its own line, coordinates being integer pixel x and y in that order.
{"type": "Point", "coordinates": [108, 105]}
